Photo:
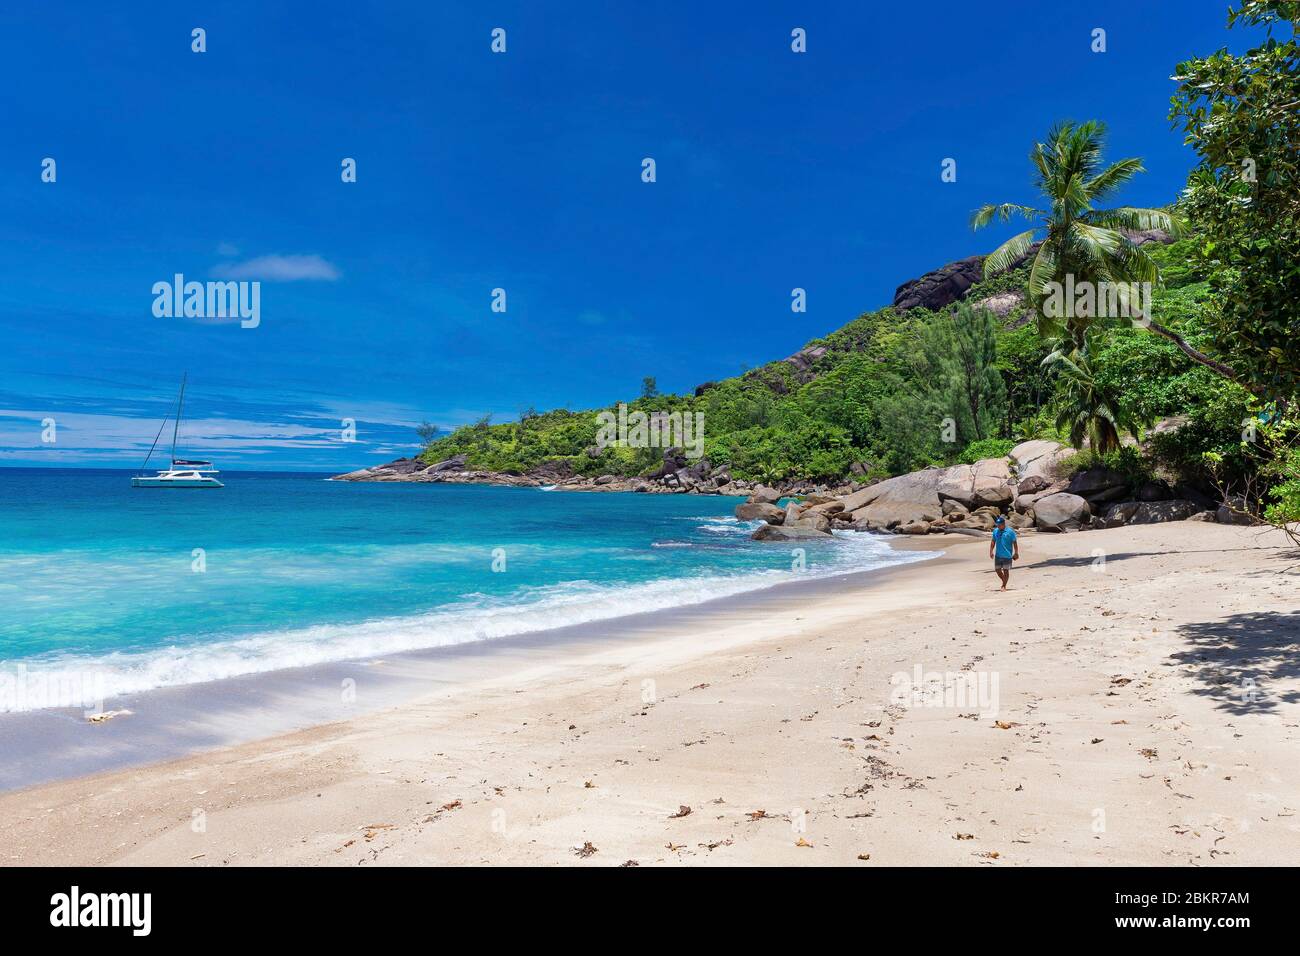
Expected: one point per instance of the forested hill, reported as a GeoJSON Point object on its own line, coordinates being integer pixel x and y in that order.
{"type": "Point", "coordinates": [873, 398]}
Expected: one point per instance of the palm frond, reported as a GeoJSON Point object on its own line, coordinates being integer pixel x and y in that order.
{"type": "Point", "coordinates": [1043, 167]}
{"type": "Point", "coordinates": [1093, 253]}
{"type": "Point", "coordinates": [1060, 358]}
{"type": "Point", "coordinates": [1137, 220]}
{"type": "Point", "coordinates": [1089, 138]}
{"type": "Point", "coordinates": [1074, 196]}
{"type": "Point", "coordinates": [1001, 258]}
{"type": "Point", "coordinates": [1077, 149]}
{"type": "Point", "coordinates": [1113, 177]}
{"type": "Point", "coordinates": [1002, 213]}
{"type": "Point", "coordinates": [1108, 242]}
{"type": "Point", "coordinates": [1042, 271]}
{"type": "Point", "coordinates": [1135, 265]}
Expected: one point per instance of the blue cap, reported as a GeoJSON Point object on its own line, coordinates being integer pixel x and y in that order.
{"type": "Point", "coordinates": [999, 520]}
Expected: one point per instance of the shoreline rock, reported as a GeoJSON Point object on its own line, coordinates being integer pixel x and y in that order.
{"type": "Point", "coordinates": [1026, 487]}
{"type": "Point", "coordinates": [677, 475]}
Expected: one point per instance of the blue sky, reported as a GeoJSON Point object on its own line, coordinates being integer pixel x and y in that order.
{"type": "Point", "coordinates": [519, 170]}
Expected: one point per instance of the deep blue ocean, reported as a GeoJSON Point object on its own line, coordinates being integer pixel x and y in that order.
{"type": "Point", "coordinates": [157, 587]}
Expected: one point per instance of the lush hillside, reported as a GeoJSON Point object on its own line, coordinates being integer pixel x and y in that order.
{"type": "Point", "coordinates": [870, 399]}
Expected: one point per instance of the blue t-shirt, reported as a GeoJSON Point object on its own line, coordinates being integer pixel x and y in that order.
{"type": "Point", "coordinates": [1002, 542]}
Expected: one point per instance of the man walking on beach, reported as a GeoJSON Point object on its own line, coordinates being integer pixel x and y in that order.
{"type": "Point", "coordinates": [1003, 549]}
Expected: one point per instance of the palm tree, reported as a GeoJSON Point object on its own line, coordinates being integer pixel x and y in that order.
{"type": "Point", "coordinates": [1089, 409]}
{"type": "Point", "coordinates": [1080, 241]}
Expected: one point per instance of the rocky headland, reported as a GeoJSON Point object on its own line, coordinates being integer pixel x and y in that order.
{"type": "Point", "coordinates": [677, 475]}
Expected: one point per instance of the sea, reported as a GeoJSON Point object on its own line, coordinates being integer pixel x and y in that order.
{"type": "Point", "coordinates": [121, 590]}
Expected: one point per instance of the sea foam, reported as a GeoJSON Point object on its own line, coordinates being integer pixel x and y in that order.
{"type": "Point", "coordinates": [474, 618]}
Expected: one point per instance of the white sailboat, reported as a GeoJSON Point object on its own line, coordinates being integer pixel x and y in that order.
{"type": "Point", "coordinates": [183, 473]}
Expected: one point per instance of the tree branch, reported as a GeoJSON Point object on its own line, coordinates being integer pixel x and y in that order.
{"type": "Point", "coordinates": [1200, 357]}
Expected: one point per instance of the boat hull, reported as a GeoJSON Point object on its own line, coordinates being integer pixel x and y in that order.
{"type": "Point", "coordinates": [139, 482]}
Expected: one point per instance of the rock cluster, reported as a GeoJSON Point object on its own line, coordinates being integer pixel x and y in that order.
{"type": "Point", "coordinates": [676, 475]}
{"type": "Point", "coordinates": [951, 282]}
{"type": "Point", "coordinates": [1027, 487]}
{"type": "Point", "coordinates": [941, 287]}
{"type": "Point", "coordinates": [452, 470]}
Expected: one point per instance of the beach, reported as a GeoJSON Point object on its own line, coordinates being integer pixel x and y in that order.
{"type": "Point", "coordinates": [1136, 700]}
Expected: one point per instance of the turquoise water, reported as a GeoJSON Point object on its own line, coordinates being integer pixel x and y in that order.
{"type": "Point", "coordinates": [150, 588]}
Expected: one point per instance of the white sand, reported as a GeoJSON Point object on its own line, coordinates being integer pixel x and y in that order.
{"type": "Point", "coordinates": [1131, 739]}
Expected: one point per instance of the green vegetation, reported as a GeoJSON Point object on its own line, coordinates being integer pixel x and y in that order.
{"type": "Point", "coordinates": [889, 392]}
{"type": "Point", "coordinates": [879, 396]}
{"type": "Point", "coordinates": [1241, 114]}
{"type": "Point", "coordinates": [986, 448]}
{"type": "Point", "coordinates": [958, 363]}
{"type": "Point", "coordinates": [1085, 244]}
{"type": "Point", "coordinates": [1090, 409]}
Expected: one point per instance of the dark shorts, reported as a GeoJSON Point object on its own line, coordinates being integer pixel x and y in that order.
{"type": "Point", "coordinates": [1001, 564]}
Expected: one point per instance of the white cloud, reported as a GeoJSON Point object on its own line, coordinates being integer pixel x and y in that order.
{"type": "Point", "coordinates": [277, 268]}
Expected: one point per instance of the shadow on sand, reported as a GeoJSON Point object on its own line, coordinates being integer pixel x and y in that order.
{"type": "Point", "coordinates": [1248, 663]}
{"type": "Point", "coordinates": [1085, 560]}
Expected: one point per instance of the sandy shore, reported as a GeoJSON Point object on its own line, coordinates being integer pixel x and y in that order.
{"type": "Point", "coordinates": [1117, 725]}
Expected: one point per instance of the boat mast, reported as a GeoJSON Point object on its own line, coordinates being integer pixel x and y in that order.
{"type": "Point", "coordinates": [180, 405]}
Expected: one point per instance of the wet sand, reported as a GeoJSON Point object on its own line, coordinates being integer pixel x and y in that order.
{"type": "Point", "coordinates": [1138, 710]}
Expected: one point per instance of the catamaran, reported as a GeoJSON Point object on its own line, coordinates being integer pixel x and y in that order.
{"type": "Point", "coordinates": [183, 473]}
